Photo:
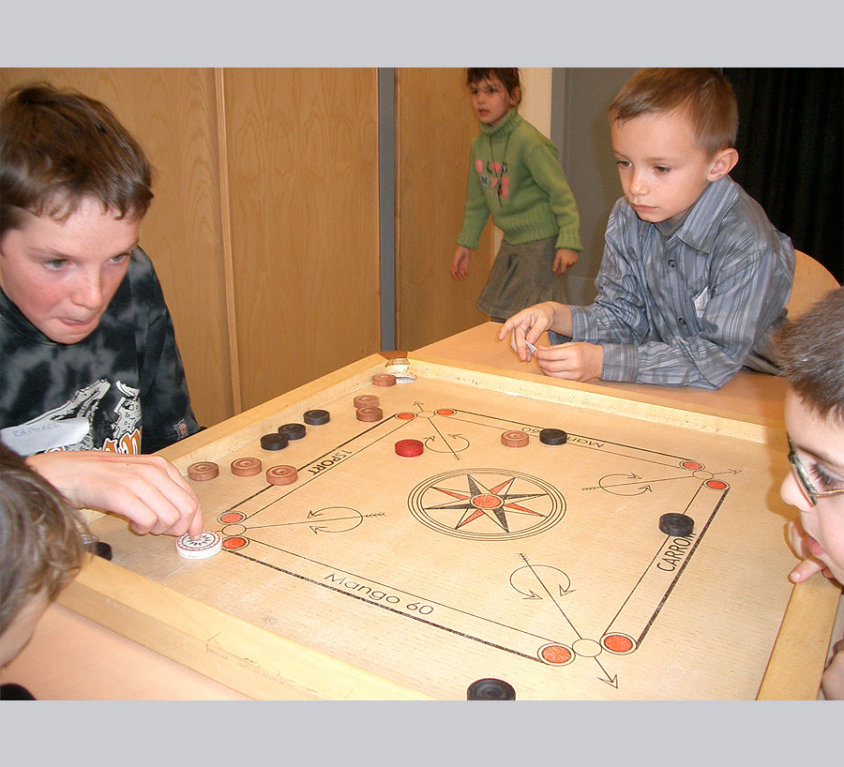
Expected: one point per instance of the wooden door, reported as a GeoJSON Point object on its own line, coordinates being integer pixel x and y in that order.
{"type": "Point", "coordinates": [435, 126]}
{"type": "Point", "coordinates": [302, 151]}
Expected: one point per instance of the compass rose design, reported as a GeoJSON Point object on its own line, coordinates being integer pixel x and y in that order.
{"type": "Point", "coordinates": [486, 504]}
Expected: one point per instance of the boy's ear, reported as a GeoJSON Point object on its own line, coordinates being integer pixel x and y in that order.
{"type": "Point", "coordinates": [516, 96]}
{"type": "Point", "coordinates": [723, 162]}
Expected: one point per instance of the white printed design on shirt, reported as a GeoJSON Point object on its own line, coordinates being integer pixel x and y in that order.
{"type": "Point", "coordinates": [82, 424]}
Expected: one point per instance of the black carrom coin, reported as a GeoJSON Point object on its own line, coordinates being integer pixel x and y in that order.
{"type": "Point", "coordinates": [676, 524]}
{"type": "Point", "coordinates": [490, 689]}
{"type": "Point", "coordinates": [553, 437]}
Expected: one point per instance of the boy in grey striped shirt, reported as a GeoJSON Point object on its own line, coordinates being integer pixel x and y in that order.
{"type": "Point", "coordinates": [694, 277]}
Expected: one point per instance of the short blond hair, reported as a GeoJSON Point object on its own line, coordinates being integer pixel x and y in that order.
{"type": "Point", "coordinates": [812, 355]}
{"type": "Point", "coordinates": [705, 95]}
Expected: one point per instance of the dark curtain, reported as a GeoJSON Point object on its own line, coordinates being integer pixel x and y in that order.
{"type": "Point", "coordinates": [790, 143]}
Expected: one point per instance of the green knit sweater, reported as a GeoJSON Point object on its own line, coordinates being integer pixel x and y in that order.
{"type": "Point", "coordinates": [515, 174]}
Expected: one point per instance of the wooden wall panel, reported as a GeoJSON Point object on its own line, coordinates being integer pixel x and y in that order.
{"type": "Point", "coordinates": [303, 176]}
{"type": "Point", "coordinates": [171, 113]}
{"type": "Point", "coordinates": [435, 126]}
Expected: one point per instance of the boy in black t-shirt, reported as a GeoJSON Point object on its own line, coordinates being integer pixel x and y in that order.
{"type": "Point", "coordinates": [91, 380]}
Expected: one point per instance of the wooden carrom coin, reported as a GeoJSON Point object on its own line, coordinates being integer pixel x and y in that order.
{"type": "Point", "coordinates": [246, 467]}
{"type": "Point", "coordinates": [201, 471]}
{"type": "Point", "coordinates": [514, 438]}
{"type": "Point", "coordinates": [282, 475]}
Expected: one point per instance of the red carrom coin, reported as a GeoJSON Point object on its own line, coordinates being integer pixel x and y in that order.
{"type": "Point", "coordinates": [514, 438]}
{"type": "Point", "coordinates": [246, 467]}
{"type": "Point", "coordinates": [365, 400]}
{"type": "Point", "coordinates": [384, 379]}
{"type": "Point", "coordinates": [282, 475]}
{"type": "Point", "coordinates": [409, 448]}
{"type": "Point", "coordinates": [203, 470]}
{"type": "Point", "coordinates": [369, 414]}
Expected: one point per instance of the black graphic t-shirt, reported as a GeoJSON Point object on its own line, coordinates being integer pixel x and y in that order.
{"type": "Point", "coordinates": [121, 389]}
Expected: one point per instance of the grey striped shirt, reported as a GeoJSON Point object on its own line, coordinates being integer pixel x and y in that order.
{"type": "Point", "coordinates": [695, 306]}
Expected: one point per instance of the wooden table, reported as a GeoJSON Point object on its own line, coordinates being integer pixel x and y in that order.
{"type": "Point", "coordinates": [748, 396]}
{"type": "Point", "coordinates": [130, 636]}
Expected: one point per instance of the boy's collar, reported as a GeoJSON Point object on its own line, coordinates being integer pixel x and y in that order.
{"type": "Point", "coordinates": [692, 226]}
{"type": "Point", "coordinates": [671, 225]}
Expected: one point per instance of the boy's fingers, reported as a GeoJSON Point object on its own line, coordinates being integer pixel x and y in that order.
{"type": "Point", "coordinates": [806, 569]}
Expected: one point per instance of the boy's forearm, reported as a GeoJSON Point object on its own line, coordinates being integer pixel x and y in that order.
{"type": "Point", "coordinates": [561, 322]}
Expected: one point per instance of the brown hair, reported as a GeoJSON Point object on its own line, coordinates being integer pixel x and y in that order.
{"type": "Point", "coordinates": [508, 76]}
{"type": "Point", "coordinates": [60, 146]}
{"type": "Point", "coordinates": [41, 537]}
{"type": "Point", "coordinates": [812, 355]}
{"type": "Point", "coordinates": [705, 94]}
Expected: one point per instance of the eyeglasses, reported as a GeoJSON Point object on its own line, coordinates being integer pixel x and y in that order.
{"type": "Point", "coordinates": [805, 483]}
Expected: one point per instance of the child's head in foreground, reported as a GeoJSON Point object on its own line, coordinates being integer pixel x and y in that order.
{"type": "Point", "coordinates": [41, 549]}
{"type": "Point", "coordinates": [812, 351]}
{"type": "Point", "coordinates": [494, 90]}
{"type": "Point", "coordinates": [673, 131]}
{"type": "Point", "coordinates": [74, 186]}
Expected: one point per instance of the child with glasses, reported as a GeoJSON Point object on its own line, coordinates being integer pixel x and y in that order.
{"type": "Point", "coordinates": [515, 176]}
{"type": "Point", "coordinates": [694, 278]}
{"type": "Point", "coordinates": [41, 549]}
{"type": "Point", "coordinates": [91, 379]}
{"type": "Point", "coordinates": [812, 350]}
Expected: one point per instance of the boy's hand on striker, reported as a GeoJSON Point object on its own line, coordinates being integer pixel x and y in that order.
{"type": "Point", "coordinates": [145, 489]}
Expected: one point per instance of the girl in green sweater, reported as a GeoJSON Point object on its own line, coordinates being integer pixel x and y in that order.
{"type": "Point", "coordinates": [515, 175]}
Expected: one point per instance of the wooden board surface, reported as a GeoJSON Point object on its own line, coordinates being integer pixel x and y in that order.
{"type": "Point", "coordinates": [748, 396]}
{"type": "Point", "coordinates": [380, 576]}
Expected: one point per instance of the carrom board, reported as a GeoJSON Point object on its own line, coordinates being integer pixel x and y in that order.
{"type": "Point", "coordinates": [375, 575]}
